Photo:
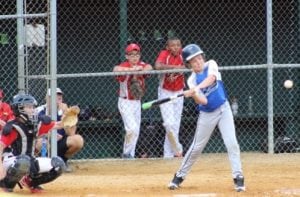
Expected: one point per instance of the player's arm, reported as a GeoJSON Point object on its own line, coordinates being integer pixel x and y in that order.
{"type": "Point", "coordinates": [197, 95]}
{"type": "Point", "coordinates": [147, 67]}
{"type": "Point", "coordinates": [194, 91]}
{"type": "Point", "coordinates": [213, 72]}
{"type": "Point", "coordinates": [119, 68]}
{"type": "Point", "coordinates": [163, 66]}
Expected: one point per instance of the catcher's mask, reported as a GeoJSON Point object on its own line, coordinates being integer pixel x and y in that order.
{"type": "Point", "coordinates": [190, 51]}
{"type": "Point", "coordinates": [23, 106]}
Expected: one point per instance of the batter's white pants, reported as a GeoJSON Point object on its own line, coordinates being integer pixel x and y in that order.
{"type": "Point", "coordinates": [206, 123]}
{"type": "Point", "coordinates": [130, 111]}
{"type": "Point", "coordinates": [171, 114]}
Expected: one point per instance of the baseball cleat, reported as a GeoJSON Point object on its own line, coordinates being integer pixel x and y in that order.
{"type": "Point", "coordinates": [239, 183]}
{"type": "Point", "coordinates": [174, 184]}
{"type": "Point", "coordinates": [26, 182]}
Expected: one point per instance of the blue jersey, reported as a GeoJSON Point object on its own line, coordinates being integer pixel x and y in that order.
{"type": "Point", "coordinates": [215, 93]}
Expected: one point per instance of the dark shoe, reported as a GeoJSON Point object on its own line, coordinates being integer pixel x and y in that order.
{"type": "Point", "coordinates": [175, 183]}
{"type": "Point", "coordinates": [4, 188]}
{"type": "Point", "coordinates": [239, 183]}
{"type": "Point", "coordinates": [68, 169]}
{"type": "Point", "coordinates": [127, 156]}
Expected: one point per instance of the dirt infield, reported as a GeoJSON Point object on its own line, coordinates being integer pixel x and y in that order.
{"type": "Point", "coordinates": [265, 175]}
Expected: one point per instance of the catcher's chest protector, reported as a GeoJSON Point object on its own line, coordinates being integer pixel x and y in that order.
{"type": "Point", "coordinates": [25, 140]}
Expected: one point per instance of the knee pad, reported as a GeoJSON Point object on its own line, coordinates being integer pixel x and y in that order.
{"type": "Point", "coordinates": [46, 177]}
{"type": "Point", "coordinates": [16, 171]}
{"type": "Point", "coordinates": [58, 164]}
{"type": "Point", "coordinates": [21, 166]}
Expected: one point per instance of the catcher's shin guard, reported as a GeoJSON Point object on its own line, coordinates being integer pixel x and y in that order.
{"type": "Point", "coordinates": [15, 172]}
{"type": "Point", "coordinates": [58, 167]}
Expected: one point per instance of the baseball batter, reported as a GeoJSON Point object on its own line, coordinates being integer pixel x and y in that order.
{"type": "Point", "coordinates": [171, 84]}
{"type": "Point", "coordinates": [128, 104]}
{"type": "Point", "coordinates": [215, 112]}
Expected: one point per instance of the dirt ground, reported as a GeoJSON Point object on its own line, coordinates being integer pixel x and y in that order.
{"type": "Point", "coordinates": [265, 175]}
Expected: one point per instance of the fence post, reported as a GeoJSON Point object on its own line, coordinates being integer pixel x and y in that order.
{"type": "Point", "coordinates": [21, 45]}
{"type": "Point", "coordinates": [270, 77]}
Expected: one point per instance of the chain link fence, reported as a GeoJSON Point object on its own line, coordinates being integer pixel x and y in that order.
{"type": "Point", "coordinates": [92, 35]}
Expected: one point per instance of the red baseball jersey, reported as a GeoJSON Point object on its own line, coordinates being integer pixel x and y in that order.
{"type": "Point", "coordinates": [12, 136]}
{"type": "Point", "coordinates": [171, 81]}
{"type": "Point", "coordinates": [6, 113]}
{"type": "Point", "coordinates": [125, 80]}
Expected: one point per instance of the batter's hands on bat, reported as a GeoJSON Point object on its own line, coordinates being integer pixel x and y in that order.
{"type": "Point", "coordinates": [189, 93]}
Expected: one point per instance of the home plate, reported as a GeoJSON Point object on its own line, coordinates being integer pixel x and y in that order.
{"type": "Point", "coordinates": [289, 191]}
{"type": "Point", "coordinates": [196, 195]}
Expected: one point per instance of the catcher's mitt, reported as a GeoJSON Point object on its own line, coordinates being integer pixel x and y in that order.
{"type": "Point", "coordinates": [136, 89]}
{"type": "Point", "coordinates": [70, 116]}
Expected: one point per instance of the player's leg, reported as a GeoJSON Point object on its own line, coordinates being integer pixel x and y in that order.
{"type": "Point", "coordinates": [172, 145]}
{"type": "Point", "coordinates": [16, 168]}
{"type": "Point", "coordinates": [68, 146]}
{"type": "Point", "coordinates": [166, 114]}
{"type": "Point", "coordinates": [43, 170]}
{"type": "Point", "coordinates": [227, 129]}
{"type": "Point", "coordinates": [205, 126]}
{"type": "Point", "coordinates": [74, 144]}
{"type": "Point", "coordinates": [173, 124]}
{"type": "Point", "coordinates": [127, 110]}
{"type": "Point", "coordinates": [137, 115]}
{"type": "Point", "coordinates": [178, 108]}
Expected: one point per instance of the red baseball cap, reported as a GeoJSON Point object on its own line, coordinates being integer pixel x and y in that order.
{"type": "Point", "coordinates": [132, 47]}
{"type": "Point", "coordinates": [1, 93]}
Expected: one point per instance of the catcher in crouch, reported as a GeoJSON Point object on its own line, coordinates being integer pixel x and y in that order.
{"type": "Point", "coordinates": [68, 142]}
{"type": "Point", "coordinates": [132, 88]}
{"type": "Point", "coordinates": [18, 164]}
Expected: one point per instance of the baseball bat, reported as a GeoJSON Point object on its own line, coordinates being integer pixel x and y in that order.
{"type": "Point", "coordinates": [158, 102]}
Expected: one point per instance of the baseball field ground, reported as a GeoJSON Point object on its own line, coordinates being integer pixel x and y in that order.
{"type": "Point", "coordinates": [265, 175]}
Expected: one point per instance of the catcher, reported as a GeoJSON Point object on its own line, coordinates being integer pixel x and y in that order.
{"type": "Point", "coordinates": [132, 89]}
{"type": "Point", "coordinates": [18, 165]}
{"type": "Point", "coordinates": [68, 142]}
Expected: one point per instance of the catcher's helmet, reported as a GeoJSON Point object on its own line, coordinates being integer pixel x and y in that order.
{"type": "Point", "coordinates": [190, 51]}
{"type": "Point", "coordinates": [18, 104]}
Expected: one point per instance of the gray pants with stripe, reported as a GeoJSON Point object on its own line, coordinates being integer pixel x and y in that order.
{"type": "Point", "coordinates": [207, 121]}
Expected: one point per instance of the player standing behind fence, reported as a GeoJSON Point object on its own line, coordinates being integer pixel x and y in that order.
{"type": "Point", "coordinates": [6, 112]}
{"type": "Point", "coordinates": [216, 112]}
{"type": "Point", "coordinates": [171, 84]}
{"type": "Point", "coordinates": [129, 104]}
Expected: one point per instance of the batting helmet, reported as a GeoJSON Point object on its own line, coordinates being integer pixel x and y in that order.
{"type": "Point", "coordinates": [190, 51]}
{"type": "Point", "coordinates": [18, 104]}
